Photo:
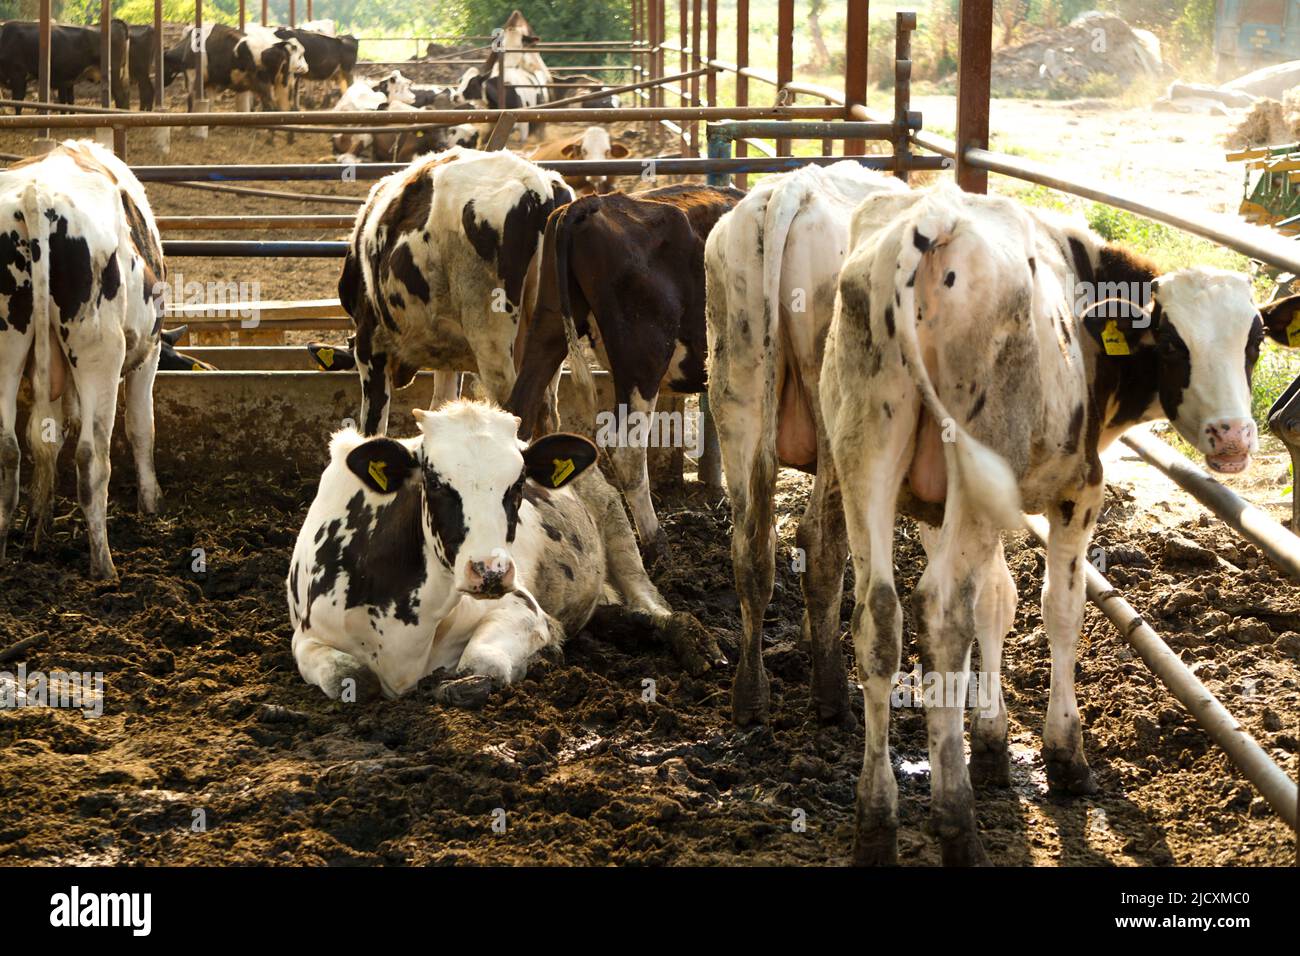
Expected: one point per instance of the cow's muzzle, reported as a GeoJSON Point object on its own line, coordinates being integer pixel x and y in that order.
{"type": "Point", "coordinates": [489, 579]}
{"type": "Point", "coordinates": [1229, 443]}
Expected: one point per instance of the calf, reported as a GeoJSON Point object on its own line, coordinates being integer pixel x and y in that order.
{"type": "Point", "coordinates": [770, 269]}
{"type": "Point", "coordinates": [591, 144]}
{"type": "Point", "coordinates": [523, 90]}
{"type": "Point", "coordinates": [971, 347]}
{"type": "Point", "coordinates": [231, 63]}
{"type": "Point", "coordinates": [580, 83]}
{"type": "Point", "coordinates": [442, 271]}
{"type": "Point", "coordinates": [81, 278]}
{"type": "Point", "coordinates": [460, 548]}
{"type": "Point", "coordinates": [636, 265]}
{"type": "Point", "coordinates": [74, 53]}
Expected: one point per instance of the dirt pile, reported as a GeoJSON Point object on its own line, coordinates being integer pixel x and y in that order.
{"type": "Point", "coordinates": [1269, 123]}
{"type": "Point", "coordinates": [1095, 54]}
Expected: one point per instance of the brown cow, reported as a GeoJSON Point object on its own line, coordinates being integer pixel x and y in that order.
{"type": "Point", "coordinates": [592, 144]}
{"type": "Point", "coordinates": [635, 264]}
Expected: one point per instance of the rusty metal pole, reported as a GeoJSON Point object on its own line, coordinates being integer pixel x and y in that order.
{"type": "Point", "coordinates": [684, 38]}
{"type": "Point", "coordinates": [43, 68]}
{"type": "Point", "coordinates": [242, 15]}
{"type": "Point", "coordinates": [742, 81]}
{"type": "Point", "coordinates": [784, 58]}
{"type": "Point", "coordinates": [904, 24]}
{"type": "Point", "coordinates": [293, 12]}
{"type": "Point", "coordinates": [974, 58]}
{"type": "Point", "coordinates": [711, 54]}
{"type": "Point", "coordinates": [661, 66]}
{"type": "Point", "coordinates": [696, 8]}
{"type": "Point", "coordinates": [198, 97]}
{"type": "Point", "coordinates": [265, 4]}
{"type": "Point", "coordinates": [856, 27]}
{"type": "Point", "coordinates": [309, 16]}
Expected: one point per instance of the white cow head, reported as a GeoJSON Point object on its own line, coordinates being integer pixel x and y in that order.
{"type": "Point", "coordinates": [470, 469]}
{"type": "Point", "coordinates": [595, 145]}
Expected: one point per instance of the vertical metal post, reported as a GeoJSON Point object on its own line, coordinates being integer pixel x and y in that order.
{"type": "Point", "coordinates": [160, 76]}
{"type": "Point", "coordinates": [293, 12]}
{"type": "Point", "coordinates": [974, 56]}
{"type": "Point", "coordinates": [742, 82]}
{"type": "Point", "coordinates": [684, 37]}
{"type": "Point", "coordinates": [856, 28]}
{"type": "Point", "coordinates": [43, 62]}
{"type": "Point", "coordinates": [243, 21]}
{"type": "Point", "coordinates": [201, 70]}
{"type": "Point", "coordinates": [696, 6]}
{"type": "Point", "coordinates": [711, 53]}
{"type": "Point", "coordinates": [784, 57]}
{"type": "Point", "coordinates": [709, 466]}
{"type": "Point", "coordinates": [265, 4]}
{"type": "Point", "coordinates": [904, 24]}
{"type": "Point", "coordinates": [309, 16]}
{"type": "Point", "coordinates": [105, 52]}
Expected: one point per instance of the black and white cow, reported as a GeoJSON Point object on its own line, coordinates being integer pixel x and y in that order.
{"type": "Point", "coordinates": [461, 548]}
{"type": "Point", "coordinates": [81, 274]}
{"type": "Point", "coordinates": [442, 270]}
{"type": "Point", "coordinates": [327, 58]}
{"type": "Point", "coordinates": [972, 365]}
{"type": "Point", "coordinates": [263, 67]}
{"type": "Point", "coordinates": [74, 54]}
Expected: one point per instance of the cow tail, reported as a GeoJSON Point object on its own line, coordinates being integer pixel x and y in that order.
{"type": "Point", "coordinates": [38, 238]}
{"type": "Point", "coordinates": [562, 238]}
{"type": "Point", "coordinates": [782, 207]}
{"type": "Point", "coordinates": [983, 474]}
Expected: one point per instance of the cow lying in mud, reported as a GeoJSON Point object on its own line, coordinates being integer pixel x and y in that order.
{"type": "Point", "coordinates": [462, 549]}
{"type": "Point", "coordinates": [81, 272]}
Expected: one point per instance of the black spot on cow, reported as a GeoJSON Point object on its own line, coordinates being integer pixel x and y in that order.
{"type": "Point", "coordinates": [1033, 266]}
{"type": "Point", "coordinates": [1067, 510]}
{"type": "Point", "coordinates": [1074, 430]}
{"type": "Point", "coordinates": [1087, 517]}
{"type": "Point", "coordinates": [143, 240]}
{"type": "Point", "coordinates": [950, 279]}
{"type": "Point", "coordinates": [920, 241]}
{"type": "Point", "coordinates": [402, 266]}
{"type": "Point", "coordinates": [110, 279]}
{"type": "Point", "coordinates": [536, 495]}
{"type": "Point", "coordinates": [977, 407]}
{"type": "Point", "coordinates": [552, 532]}
{"type": "Point", "coordinates": [71, 275]}
{"type": "Point", "coordinates": [446, 514]}
{"type": "Point", "coordinates": [911, 280]}
{"type": "Point", "coordinates": [568, 571]}
{"type": "Point", "coordinates": [889, 320]}
{"type": "Point", "coordinates": [17, 313]}
{"type": "Point", "coordinates": [511, 501]}
{"type": "Point", "coordinates": [1175, 368]}
{"type": "Point", "coordinates": [1074, 567]}
{"type": "Point", "coordinates": [385, 558]}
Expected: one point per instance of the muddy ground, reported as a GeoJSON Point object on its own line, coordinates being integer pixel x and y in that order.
{"type": "Point", "coordinates": [204, 709]}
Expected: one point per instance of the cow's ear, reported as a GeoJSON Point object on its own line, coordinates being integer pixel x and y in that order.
{"type": "Point", "coordinates": [618, 151]}
{"type": "Point", "coordinates": [554, 460]}
{"type": "Point", "coordinates": [382, 464]}
{"type": "Point", "coordinates": [1282, 320]}
{"type": "Point", "coordinates": [174, 335]}
{"type": "Point", "coordinates": [1117, 325]}
{"type": "Point", "coordinates": [570, 150]}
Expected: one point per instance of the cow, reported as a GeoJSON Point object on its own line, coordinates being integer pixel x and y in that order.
{"type": "Point", "coordinates": [231, 64]}
{"type": "Point", "coordinates": [140, 62]}
{"type": "Point", "coordinates": [74, 54]}
{"type": "Point", "coordinates": [970, 314]}
{"type": "Point", "coordinates": [328, 58]}
{"type": "Point", "coordinates": [171, 360]}
{"type": "Point", "coordinates": [441, 271]}
{"type": "Point", "coordinates": [461, 548]}
{"type": "Point", "coordinates": [523, 90]}
{"type": "Point", "coordinates": [580, 83]}
{"type": "Point", "coordinates": [324, 27]}
{"type": "Point", "coordinates": [81, 283]}
{"type": "Point", "coordinates": [400, 146]}
{"type": "Point", "coordinates": [591, 144]}
{"type": "Point", "coordinates": [784, 242]}
{"type": "Point", "coordinates": [627, 274]}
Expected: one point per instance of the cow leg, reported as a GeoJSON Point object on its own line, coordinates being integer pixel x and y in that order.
{"type": "Point", "coordinates": [446, 388]}
{"type": "Point", "coordinates": [944, 607]}
{"type": "Point", "coordinates": [990, 763]}
{"type": "Point", "coordinates": [140, 429]}
{"type": "Point", "coordinates": [97, 391]}
{"type": "Point", "coordinates": [1063, 596]}
{"type": "Point", "coordinates": [376, 391]}
{"type": "Point", "coordinates": [18, 91]}
{"type": "Point", "coordinates": [44, 441]}
{"type": "Point", "coordinates": [505, 640]}
{"type": "Point", "coordinates": [632, 471]}
{"type": "Point", "coordinates": [12, 355]}
{"type": "Point", "coordinates": [329, 668]}
{"type": "Point", "coordinates": [824, 547]}
{"type": "Point", "coordinates": [493, 350]}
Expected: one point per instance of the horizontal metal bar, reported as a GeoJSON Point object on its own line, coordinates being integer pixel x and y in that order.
{"type": "Point", "coordinates": [304, 221]}
{"type": "Point", "coordinates": [568, 167]}
{"type": "Point", "coordinates": [440, 117]}
{"type": "Point", "coordinates": [771, 129]}
{"type": "Point", "coordinates": [254, 249]}
{"type": "Point", "coordinates": [1252, 241]}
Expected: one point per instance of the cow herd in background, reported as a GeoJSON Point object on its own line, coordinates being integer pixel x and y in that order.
{"type": "Point", "coordinates": [922, 351]}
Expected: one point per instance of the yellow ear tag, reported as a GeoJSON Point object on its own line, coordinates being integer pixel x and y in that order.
{"type": "Point", "coordinates": [377, 472]}
{"type": "Point", "coordinates": [197, 368]}
{"type": "Point", "coordinates": [325, 357]}
{"type": "Point", "coordinates": [1293, 332]}
{"type": "Point", "coordinates": [1113, 339]}
{"type": "Point", "coordinates": [563, 469]}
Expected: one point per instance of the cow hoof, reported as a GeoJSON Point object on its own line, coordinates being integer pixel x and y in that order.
{"type": "Point", "coordinates": [1069, 777]}
{"type": "Point", "coordinates": [104, 574]}
{"type": "Point", "coordinates": [692, 644]}
{"type": "Point", "coordinates": [750, 697]}
{"type": "Point", "coordinates": [876, 846]}
{"type": "Point", "coordinates": [831, 703]}
{"type": "Point", "coordinates": [963, 850]}
{"type": "Point", "coordinates": [655, 551]}
{"type": "Point", "coordinates": [990, 768]}
{"type": "Point", "coordinates": [470, 692]}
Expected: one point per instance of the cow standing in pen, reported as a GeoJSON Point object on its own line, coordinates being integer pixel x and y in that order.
{"type": "Point", "coordinates": [442, 271]}
{"type": "Point", "coordinates": [80, 276]}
